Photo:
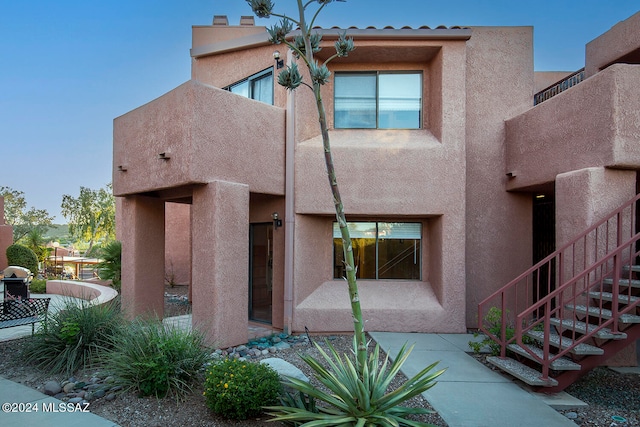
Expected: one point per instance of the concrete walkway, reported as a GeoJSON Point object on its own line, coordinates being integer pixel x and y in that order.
{"type": "Point", "coordinates": [469, 394]}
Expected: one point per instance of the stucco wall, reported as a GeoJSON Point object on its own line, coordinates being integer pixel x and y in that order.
{"type": "Point", "coordinates": [498, 224]}
{"type": "Point", "coordinates": [595, 123]}
{"type": "Point", "coordinates": [177, 259]}
{"type": "Point", "coordinates": [622, 39]}
{"type": "Point", "coordinates": [208, 133]}
{"type": "Point", "coordinates": [394, 175]}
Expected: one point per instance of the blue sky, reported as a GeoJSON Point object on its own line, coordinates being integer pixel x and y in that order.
{"type": "Point", "coordinates": [69, 67]}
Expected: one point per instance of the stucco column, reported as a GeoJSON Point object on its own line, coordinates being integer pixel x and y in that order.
{"type": "Point", "coordinates": [220, 262]}
{"type": "Point", "coordinates": [142, 255]}
{"type": "Point", "coordinates": [6, 237]}
{"type": "Point", "coordinates": [585, 196]}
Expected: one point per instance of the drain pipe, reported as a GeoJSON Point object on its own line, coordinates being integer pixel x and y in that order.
{"type": "Point", "coordinates": [289, 209]}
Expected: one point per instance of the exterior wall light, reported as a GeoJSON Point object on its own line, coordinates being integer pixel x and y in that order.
{"type": "Point", "coordinates": [122, 168]}
{"type": "Point", "coordinates": [277, 222]}
{"type": "Point", "coordinates": [279, 62]}
{"type": "Point", "coordinates": [164, 156]}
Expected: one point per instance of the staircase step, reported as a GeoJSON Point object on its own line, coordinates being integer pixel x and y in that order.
{"type": "Point", "coordinates": [554, 339]}
{"type": "Point", "coordinates": [608, 296]}
{"type": "Point", "coordinates": [522, 372]}
{"type": "Point", "coordinates": [584, 328]}
{"type": "Point", "coordinates": [604, 313]}
{"type": "Point", "coordinates": [634, 283]}
{"type": "Point", "coordinates": [561, 364]}
{"type": "Point", "coordinates": [632, 268]}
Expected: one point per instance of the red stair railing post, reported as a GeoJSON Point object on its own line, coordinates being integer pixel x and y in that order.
{"type": "Point", "coordinates": [503, 327]}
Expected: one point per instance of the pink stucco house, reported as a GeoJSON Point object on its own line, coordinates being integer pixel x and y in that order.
{"type": "Point", "coordinates": [453, 180]}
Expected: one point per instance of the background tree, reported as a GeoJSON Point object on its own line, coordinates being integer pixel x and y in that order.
{"type": "Point", "coordinates": [91, 215]}
{"type": "Point", "coordinates": [22, 219]}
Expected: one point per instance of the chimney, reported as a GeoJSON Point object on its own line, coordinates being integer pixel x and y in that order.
{"type": "Point", "coordinates": [247, 21]}
{"type": "Point", "coordinates": [220, 20]}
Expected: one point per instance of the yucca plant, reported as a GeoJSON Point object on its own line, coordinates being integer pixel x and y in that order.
{"type": "Point", "coordinates": [356, 396]}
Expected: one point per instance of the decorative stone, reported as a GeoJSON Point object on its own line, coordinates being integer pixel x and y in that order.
{"type": "Point", "coordinates": [282, 345]}
{"type": "Point", "coordinates": [284, 368]}
{"type": "Point", "coordinates": [110, 397]}
{"type": "Point", "coordinates": [571, 415]}
{"type": "Point", "coordinates": [69, 387]}
{"type": "Point", "coordinates": [51, 388]}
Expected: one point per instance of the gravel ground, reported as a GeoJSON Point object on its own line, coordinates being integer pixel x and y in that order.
{"type": "Point", "coordinates": [608, 393]}
{"type": "Point", "coordinates": [128, 410]}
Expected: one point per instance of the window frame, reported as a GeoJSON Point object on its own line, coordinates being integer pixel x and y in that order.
{"type": "Point", "coordinates": [377, 74]}
{"type": "Point", "coordinates": [376, 224]}
{"type": "Point", "coordinates": [249, 80]}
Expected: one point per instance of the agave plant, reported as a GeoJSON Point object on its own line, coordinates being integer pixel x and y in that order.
{"type": "Point", "coordinates": [357, 396]}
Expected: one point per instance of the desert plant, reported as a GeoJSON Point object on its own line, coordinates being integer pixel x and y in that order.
{"type": "Point", "coordinates": [111, 266]}
{"type": "Point", "coordinates": [356, 397]}
{"type": "Point", "coordinates": [74, 337]}
{"type": "Point", "coordinates": [157, 360]}
{"type": "Point", "coordinates": [22, 256]}
{"type": "Point", "coordinates": [239, 389]}
{"type": "Point", "coordinates": [493, 323]}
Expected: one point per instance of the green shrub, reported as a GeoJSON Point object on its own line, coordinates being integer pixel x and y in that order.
{"type": "Point", "coordinates": [156, 360]}
{"type": "Point", "coordinates": [111, 266]}
{"type": "Point", "coordinates": [493, 321]}
{"type": "Point", "coordinates": [22, 256]}
{"type": "Point", "coordinates": [77, 336]}
{"type": "Point", "coordinates": [38, 286]}
{"type": "Point", "coordinates": [239, 389]}
{"type": "Point", "coordinates": [355, 395]}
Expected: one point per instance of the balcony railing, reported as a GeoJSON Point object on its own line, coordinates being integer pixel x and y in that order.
{"type": "Point", "coordinates": [558, 87]}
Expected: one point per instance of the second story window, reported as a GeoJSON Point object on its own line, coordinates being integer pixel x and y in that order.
{"type": "Point", "coordinates": [371, 100]}
{"type": "Point", "coordinates": [258, 87]}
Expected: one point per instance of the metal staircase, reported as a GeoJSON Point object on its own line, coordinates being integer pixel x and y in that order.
{"type": "Point", "coordinates": [574, 309]}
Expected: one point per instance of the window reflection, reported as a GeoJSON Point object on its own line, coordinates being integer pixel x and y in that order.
{"type": "Point", "coordinates": [381, 250]}
{"type": "Point", "coordinates": [378, 100]}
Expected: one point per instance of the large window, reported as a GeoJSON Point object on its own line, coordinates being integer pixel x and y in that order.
{"type": "Point", "coordinates": [258, 87]}
{"type": "Point", "coordinates": [378, 100]}
{"type": "Point", "coordinates": [382, 250]}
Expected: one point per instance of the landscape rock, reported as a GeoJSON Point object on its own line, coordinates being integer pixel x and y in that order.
{"type": "Point", "coordinates": [51, 388]}
{"type": "Point", "coordinates": [285, 369]}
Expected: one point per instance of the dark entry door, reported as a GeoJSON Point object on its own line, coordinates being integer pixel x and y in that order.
{"type": "Point", "coordinates": [260, 272]}
{"type": "Point", "coordinates": [544, 243]}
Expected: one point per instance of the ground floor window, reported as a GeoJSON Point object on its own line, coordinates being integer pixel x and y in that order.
{"type": "Point", "coordinates": [382, 250]}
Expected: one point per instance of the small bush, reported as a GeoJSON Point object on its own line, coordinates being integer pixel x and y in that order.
{"type": "Point", "coordinates": [111, 266]}
{"type": "Point", "coordinates": [38, 286]}
{"type": "Point", "coordinates": [238, 390]}
{"type": "Point", "coordinates": [22, 256]}
{"type": "Point", "coordinates": [77, 336]}
{"type": "Point", "coordinates": [156, 360]}
{"type": "Point", "coordinates": [493, 321]}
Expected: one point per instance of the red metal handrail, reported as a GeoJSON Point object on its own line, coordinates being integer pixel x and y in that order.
{"type": "Point", "coordinates": [581, 264]}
